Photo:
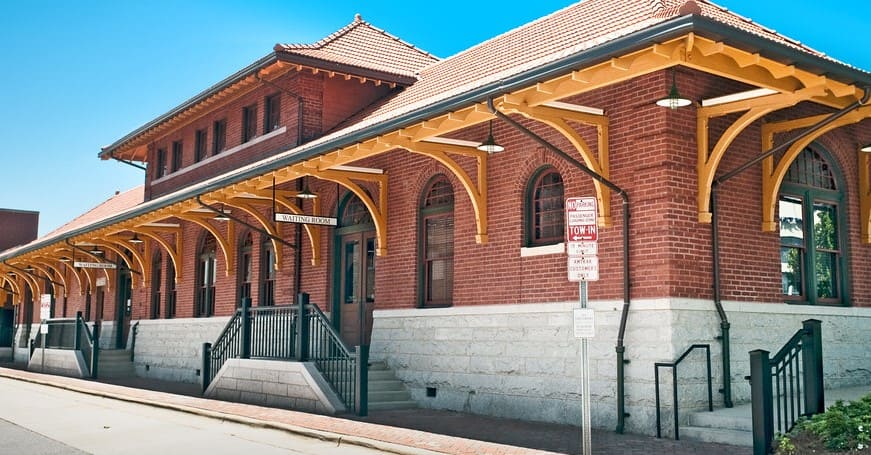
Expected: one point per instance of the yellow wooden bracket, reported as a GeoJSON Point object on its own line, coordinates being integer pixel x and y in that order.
{"type": "Point", "coordinates": [224, 241]}
{"type": "Point", "coordinates": [557, 118]}
{"type": "Point", "coordinates": [94, 257]}
{"type": "Point", "coordinates": [773, 175]}
{"type": "Point", "coordinates": [286, 198]}
{"type": "Point", "coordinates": [173, 249]}
{"type": "Point", "coordinates": [118, 247]}
{"type": "Point", "coordinates": [34, 286]}
{"type": "Point", "coordinates": [477, 189]}
{"type": "Point", "coordinates": [16, 290]}
{"type": "Point", "coordinates": [64, 251]}
{"type": "Point", "coordinates": [247, 207]}
{"type": "Point", "coordinates": [754, 109]}
{"type": "Point", "coordinates": [44, 266]}
{"type": "Point", "coordinates": [378, 211]}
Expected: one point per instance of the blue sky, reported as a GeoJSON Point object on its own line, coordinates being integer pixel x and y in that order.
{"type": "Point", "coordinates": [77, 75]}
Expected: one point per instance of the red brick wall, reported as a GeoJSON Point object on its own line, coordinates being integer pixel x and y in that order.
{"type": "Point", "coordinates": [17, 227]}
{"type": "Point", "coordinates": [653, 156]}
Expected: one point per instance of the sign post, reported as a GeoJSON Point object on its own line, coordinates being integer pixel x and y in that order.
{"type": "Point", "coordinates": [582, 248]}
{"type": "Point", "coordinates": [44, 315]}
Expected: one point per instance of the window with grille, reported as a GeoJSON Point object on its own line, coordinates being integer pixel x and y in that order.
{"type": "Point", "coordinates": [267, 273]}
{"type": "Point", "coordinates": [219, 136]}
{"type": "Point", "coordinates": [437, 243]}
{"type": "Point", "coordinates": [206, 275]}
{"type": "Point", "coordinates": [200, 145]}
{"type": "Point", "coordinates": [246, 268]}
{"type": "Point", "coordinates": [156, 283]}
{"type": "Point", "coordinates": [160, 168]}
{"type": "Point", "coordinates": [272, 113]}
{"type": "Point", "coordinates": [249, 123]}
{"type": "Point", "coordinates": [177, 151]}
{"type": "Point", "coordinates": [812, 260]}
{"type": "Point", "coordinates": [545, 208]}
{"type": "Point", "coordinates": [170, 288]}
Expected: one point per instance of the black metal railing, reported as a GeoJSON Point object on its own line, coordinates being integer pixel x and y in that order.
{"type": "Point", "coordinates": [72, 334]}
{"type": "Point", "coordinates": [674, 396]}
{"type": "Point", "coordinates": [279, 333]}
{"type": "Point", "coordinates": [787, 386]}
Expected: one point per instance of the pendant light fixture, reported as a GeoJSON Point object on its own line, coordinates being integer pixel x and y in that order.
{"type": "Point", "coordinates": [489, 145]}
{"type": "Point", "coordinates": [673, 100]}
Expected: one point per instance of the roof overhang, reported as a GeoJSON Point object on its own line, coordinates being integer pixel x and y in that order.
{"type": "Point", "coordinates": [280, 159]}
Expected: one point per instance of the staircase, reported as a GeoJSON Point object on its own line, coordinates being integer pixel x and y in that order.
{"type": "Point", "coordinates": [726, 426]}
{"type": "Point", "coordinates": [115, 363]}
{"type": "Point", "coordinates": [386, 392]}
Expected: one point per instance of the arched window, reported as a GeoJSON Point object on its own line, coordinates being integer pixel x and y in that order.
{"type": "Point", "coordinates": [156, 283]}
{"type": "Point", "coordinates": [437, 243]}
{"type": "Point", "coordinates": [206, 275]}
{"type": "Point", "coordinates": [812, 260]}
{"type": "Point", "coordinates": [170, 288]}
{"type": "Point", "coordinates": [267, 273]}
{"type": "Point", "coordinates": [245, 273]}
{"type": "Point", "coordinates": [545, 208]}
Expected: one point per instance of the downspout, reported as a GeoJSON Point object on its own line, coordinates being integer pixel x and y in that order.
{"type": "Point", "coordinates": [715, 233]}
{"type": "Point", "coordinates": [299, 105]}
{"type": "Point", "coordinates": [297, 259]}
{"type": "Point", "coordinates": [620, 348]}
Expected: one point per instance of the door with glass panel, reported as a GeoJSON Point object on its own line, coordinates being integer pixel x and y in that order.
{"type": "Point", "coordinates": [357, 287]}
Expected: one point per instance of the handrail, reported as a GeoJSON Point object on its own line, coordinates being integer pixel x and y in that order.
{"type": "Point", "coordinates": [135, 330]}
{"type": "Point", "coordinates": [786, 386]}
{"type": "Point", "coordinates": [298, 332]}
{"type": "Point", "coordinates": [68, 334]}
{"type": "Point", "coordinates": [673, 365]}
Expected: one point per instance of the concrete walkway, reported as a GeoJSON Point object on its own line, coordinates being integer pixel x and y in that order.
{"type": "Point", "coordinates": [418, 431]}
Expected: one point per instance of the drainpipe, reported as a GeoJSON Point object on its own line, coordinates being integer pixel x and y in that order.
{"type": "Point", "coordinates": [299, 105]}
{"type": "Point", "coordinates": [715, 233]}
{"type": "Point", "coordinates": [620, 348]}
{"type": "Point", "coordinates": [297, 258]}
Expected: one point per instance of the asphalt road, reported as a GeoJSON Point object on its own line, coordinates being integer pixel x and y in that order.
{"type": "Point", "coordinates": [37, 419]}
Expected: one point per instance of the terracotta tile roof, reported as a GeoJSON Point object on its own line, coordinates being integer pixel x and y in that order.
{"type": "Point", "coordinates": [362, 45]}
{"type": "Point", "coordinates": [116, 204]}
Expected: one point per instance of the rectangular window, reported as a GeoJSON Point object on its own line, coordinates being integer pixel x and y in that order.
{"type": "Point", "coordinates": [439, 257]}
{"type": "Point", "coordinates": [272, 113]}
{"type": "Point", "coordinates": [219, 136]}
{"type": "Point", "coordinates": [200, 145]}
{"type": "Point", "coordinates": [101, 299]}
{"type": "Point", "coordinates": [177, 149]}
{"type": "Point", "coordinates": [792, 251]}
{"type": "Point", "coordinates": [249, 123]}
{"type": "Point", "coordinates": [160, 169]}
{"type": "Point", "coordinates": [170, 289]}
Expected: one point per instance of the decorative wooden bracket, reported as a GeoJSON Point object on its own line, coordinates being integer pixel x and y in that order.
{"type": "Point", "coordinates": [477, 191]}
{"type": "Point", "coordinates": [225, 242]}
{"type": "Point", "coordinates": [155, 233]}
{"type": "Point", "coordinates": [556, 118]}
{"type": "Point", "coordinates": [754, 109]}
{"type": "Point", "coordinates": [246, 206]}
{"type": "Point", "coordinates": [118, 248]}
{"type": "Point", "coordinates": [772, 176]}
{"type": "Point", "coordinates": [43, 266]}
{"type": "Point", "coordinates": [378, 211]}
{"type": "Point", "coordinates": [16, 290]}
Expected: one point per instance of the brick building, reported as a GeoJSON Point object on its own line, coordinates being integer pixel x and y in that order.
{"type": "Point", "coordinates": [449, 261]}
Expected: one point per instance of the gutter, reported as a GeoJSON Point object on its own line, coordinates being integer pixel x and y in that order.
{"type": "Point", "coordinates": [620, 348]}
{"type": "Point", "coordinates": [715, 232]}
{"type": "Point", "coordinates": [634, 41]}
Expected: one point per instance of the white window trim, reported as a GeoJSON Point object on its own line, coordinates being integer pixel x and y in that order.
{"type": "Point", "coordinates": [529, 251]}
{"type": "Point", "coordinates": [222, 153]}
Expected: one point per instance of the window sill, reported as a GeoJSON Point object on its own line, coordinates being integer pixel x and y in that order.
{"type": "Point", "coordinates": [558, 248]}
{"type": "Point", "coordinates": [221, 154]}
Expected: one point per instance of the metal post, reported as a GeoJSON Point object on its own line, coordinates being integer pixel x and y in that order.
{"type": "Point", "coordinates": [727, 364]}
{"type": "Point", "coordinates": [674, 397]}
{"type": "Point", "coordinates": [812, 357]}
{"type": "Point", "coordinates": [95, 350]}
{"type": "Point", "coordinates": [78, 344]}
{"type": "Point", "coordinates": [658, 414]}
{"type": "Point", "coordinates": [207, 365]}
{"type": "Point", "coordinates": [762, 404]}
{"type": "Point", "coordinates": [586, 437]}
{"type": "Point", "coordinates": [246, 328]}
{"type": "Point", "coordinates": [361, 392]}
{"type": "Point", "coordinates": [302, 335]}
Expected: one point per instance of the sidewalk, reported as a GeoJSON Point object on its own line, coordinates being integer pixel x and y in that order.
{"type": "Point", "coordinates": [416, 431]}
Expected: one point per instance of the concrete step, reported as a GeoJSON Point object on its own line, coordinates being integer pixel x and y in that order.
{"type": "Point", "coordinates": [115, 363]}
{"type": "Point", "coordinates": [391, 405]}
{"type": "Point", "coordinates": [721, 419]}
{"type": "Point", "coordinates": [113, 354]}
{"type": "Point", "coordinates": [389, 396]}
{"type": "Point", "coordinates": [381, 375]}
{"type": "Point", "coordinates": [718, 435]}
{"type": "Point", "coordinates": [378, 366]}
{"type": "Point", "coordinates": [385, 385]}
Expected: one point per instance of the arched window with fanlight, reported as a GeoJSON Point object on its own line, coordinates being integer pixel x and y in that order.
{"type": "Point", "coordinates": [545, 208]}
{"type": "Point", "coordinates": [436, 235]}
{"type": "Point", "coordinates": [206, 275]}
{"type": "Point", "coordinates": [812, 243]}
